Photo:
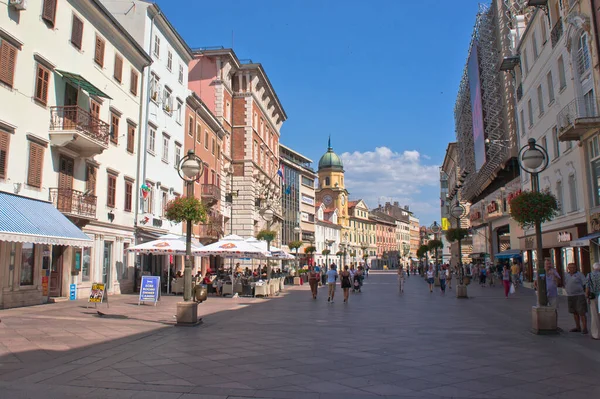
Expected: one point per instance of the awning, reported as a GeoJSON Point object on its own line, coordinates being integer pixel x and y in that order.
{"type": "Point", "coordinates": [25, 219]}
{"type": "Point", "coordinates": [508, 254]}
{"type": "Point", "coordinates": [585, 241]}
{"type": "Point", "coordinates": [81, 82]}
{"type": "Point", "coordinates": [478, 255]}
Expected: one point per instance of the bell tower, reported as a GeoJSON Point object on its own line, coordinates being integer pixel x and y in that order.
{"type": "Point", "coordinates": [332, 191]}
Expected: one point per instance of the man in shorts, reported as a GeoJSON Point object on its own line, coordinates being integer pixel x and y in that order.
{"type": "Point", "coordinates": [575, 286]}
{"type": "Point", "coordinates": [332, 276]}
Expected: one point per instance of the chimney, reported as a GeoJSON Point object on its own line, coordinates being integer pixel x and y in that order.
{"type": "Point", "coordinates": [406, 207]}
{"type": "Point", "coordinates": [396, 204]}
{"type": "Point", "coordinates": [387, 204]}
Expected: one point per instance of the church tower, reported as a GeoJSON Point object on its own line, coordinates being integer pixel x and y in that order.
{"type": "Point", "coordinates": [331, 191]}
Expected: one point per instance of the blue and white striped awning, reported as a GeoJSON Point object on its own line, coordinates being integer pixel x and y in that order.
{"type": "Point", "coordinates": [25, 219]}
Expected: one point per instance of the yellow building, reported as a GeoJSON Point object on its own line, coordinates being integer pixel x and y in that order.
{"type": "Point", "coordinates": [362, 237]}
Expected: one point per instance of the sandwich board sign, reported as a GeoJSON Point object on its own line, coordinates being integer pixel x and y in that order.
{"type": "Point", "coordinates": [98, 294]}
{"type": "Point", "coordinates": [149, 290]}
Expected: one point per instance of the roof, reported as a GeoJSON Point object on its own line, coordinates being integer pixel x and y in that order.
{"type": "Point", "coordinates": [352, 204]}
{"type": "Point", "coordinates": [184, 46]}
{"type": "Point", "coordinates": [331, 160]}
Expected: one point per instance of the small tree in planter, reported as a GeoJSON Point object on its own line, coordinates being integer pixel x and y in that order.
{"type": "Point", "coordinates": [529, 208]}
{"type": "Point", "coordinates": [267, 235]}
{"type": "Point", "coordinates": [433, 246]}
{"type": "Point", "coordinates": [456, 234]}
{"type": "Point", "coordinates": [295, 245]}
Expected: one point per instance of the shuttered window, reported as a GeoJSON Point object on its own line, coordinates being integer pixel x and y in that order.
{"type": "Point", "coordinates": [133, 83]}
{"type": "Point", "coordinates": [8, 62]}
{"type": "Point", "coordinates": [36, 160]}
{"type": "Point", "coordinates": [77, 32]}
{"type": "Point", "coordinates": [130, 137]}
{"type": "Point", "coordinates": [99, 52]}
{"type": "Point", "coordinates": [49, 11]}
{"type": "Point", "coordinates": [42, 81]}
{"type": "Point", "coordinates": [118, 68]}
{"type": "Point", "coordinates": [128, 195]}
{"type": "Point", "coordinates": [4, 143]}
{"type": "Point", "coordinates": [114, 128]}
{"type": "Point", "coordinates": [111, 192]}
{"type": "Point", "coordinates": [90, 179]}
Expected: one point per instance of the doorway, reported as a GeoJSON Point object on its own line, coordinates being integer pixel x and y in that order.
{"type": "Point", "coordinates": [56, 271]}
{"type": "Point", "coordinates": [70, 110]}
{"type": "Point", "coordinates": [107, 264]}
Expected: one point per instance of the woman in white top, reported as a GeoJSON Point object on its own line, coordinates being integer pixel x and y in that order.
{"type": "Point", "coordinates": [401, 278]}
{"type": "Point", "coordinates": [430, 277]}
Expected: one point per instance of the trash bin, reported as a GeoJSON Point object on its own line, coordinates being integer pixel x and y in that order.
{"type": "Point", "coordinates": [201, 292]}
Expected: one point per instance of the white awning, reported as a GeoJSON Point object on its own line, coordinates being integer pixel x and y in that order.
{"type": "Point", "coordinates": [586, 240]}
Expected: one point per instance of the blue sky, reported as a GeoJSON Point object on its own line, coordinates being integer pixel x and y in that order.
{"type": "Point", "coordinates": [381, 77]}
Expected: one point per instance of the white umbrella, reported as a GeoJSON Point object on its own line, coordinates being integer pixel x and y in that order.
{"type": "Point", "coordinates": [169, 244]}
{"type": "Point", "coordinates": [232, 246]}
{"type": "Point", "coordinates": [276, 253]}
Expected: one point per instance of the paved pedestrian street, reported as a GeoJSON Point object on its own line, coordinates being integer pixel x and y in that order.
{"type": "Point", "coordinates": [381, 344]}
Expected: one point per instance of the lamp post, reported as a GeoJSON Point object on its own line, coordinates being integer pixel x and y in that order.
{"type": "Point", "coordinates": [435, 229]}
{"type": "Point", "coordinates": [533, 159]}
{"type": "Point", "coordinates": [458, 211]}
{"type": "Point", "coordinates": [268, 215]}
{"type": "Point", "coordinates": [329, 243]}
{"type": "Point", "coordinates": [190, 169]}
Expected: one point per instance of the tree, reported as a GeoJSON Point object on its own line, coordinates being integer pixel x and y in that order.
{"type": "Point", "coordinates": [433, 246]}
{"type": "Point", "coordinates": [295, 245]}
{"type": "Point", "coordinates": [456, 234]}
{"type": "Point", "coordinates": [422, 251]}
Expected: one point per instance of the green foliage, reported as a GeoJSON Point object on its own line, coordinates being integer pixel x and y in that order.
{"type": "Point", "coordinates": [294, 245]}
{"type": "Point", "coordinates": [339, 253]}
{"type": "Point", "coordinates": [310, 250]}
{"type": "Point", "coordinates": [531, 207]}
{"type": "Point", "coordinates": [456, 234]}
{"type": "Point", "coordinates": [435, 244]}
{"type": "Point", "coordinates": [353, 253]}
{"type": "Point", "coordinates": [326, 252]}
{"type": "Point", "coordinates": [422, 251]}
{"type": "Point", "coordinates": [185, 208]}
{"type": "Point", "coordinates": [266, 235]}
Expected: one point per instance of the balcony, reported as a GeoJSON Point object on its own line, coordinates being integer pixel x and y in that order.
{"type": "Point", "coordinates": [556, 32]}
{"type": "Point", "coordinates": [212, 230]}
{"type": "Point", "coordinates": [579, 117]}
{"type": "Point", "coordinates": [210, 194]}
{"type": "Point", "coordinates": [73, 203]}
{"type": "Point", "coordinates": [78, 130]}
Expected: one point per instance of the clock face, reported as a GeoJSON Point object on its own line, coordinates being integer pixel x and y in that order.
{"type": "Point", "coordinates": [327, 200]}
{"type": "Point", "coordinates": [343, 199]}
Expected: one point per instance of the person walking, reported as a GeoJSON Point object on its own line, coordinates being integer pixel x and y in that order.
{"type": "Point", "coordinates": [401, 279]}
{"type": "Point", "coordinates": [515, 272]}
{"type": "Point", "coordinates": [449, 276]}
{"type": "Point", "coordinates": [332, 276]}
{"type": "Point", "coordinates": [442, 278]}
{"type": "Point", "coordinates": [313, 281]}
{"type": "Point", "coordinates": [430, 277]}
{"type": "Point", "coordinates": [593, 290]}
{"type": "Point", "coordinates": [482, 273]}
{"type": "Point", "coordinates": [346, 283]}
{"type": "Point", "coordinates": [552, 281]}
{"type": "Point", "coordinates": [506, 280]}
{"type": "Point", "coordinates": [575, 287]}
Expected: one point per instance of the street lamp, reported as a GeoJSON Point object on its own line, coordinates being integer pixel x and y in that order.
{"type": "Point", "coordinates": [268, 215]}
{"type": "Point", "coordinates": [435, 229]}
{"type": "Point", "coordinates": [458, 211]}
{"type": "Point", "coordinates": [190, 169]}
{"type": "Point", "coordinates": [533, 159]}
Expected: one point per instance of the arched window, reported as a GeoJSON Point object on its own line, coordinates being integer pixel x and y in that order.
{"type": "Point", "coordinates": [583, 54]}
{"type": "Point", "coordinates": [573, 193]}
{"type": "Point", "coordinates": [327, 181]}
{"type": "Point", "coordinates": [559, 197]}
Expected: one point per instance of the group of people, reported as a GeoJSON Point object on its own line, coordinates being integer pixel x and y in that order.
{"type": "Point", "coordinates": [350, 278]}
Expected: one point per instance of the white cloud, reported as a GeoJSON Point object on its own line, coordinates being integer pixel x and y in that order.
{"type": "Point", "coordinates": [384, 175]}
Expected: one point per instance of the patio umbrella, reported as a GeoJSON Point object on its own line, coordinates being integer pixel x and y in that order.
{"type": "Point", "coordinates": [276, 253]}
{"type": "Point", "coordinates": [232, 247]}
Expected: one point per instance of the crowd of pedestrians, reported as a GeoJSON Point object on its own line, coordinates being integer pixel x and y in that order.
{"type": "Point", "coordinates": [350, 277]}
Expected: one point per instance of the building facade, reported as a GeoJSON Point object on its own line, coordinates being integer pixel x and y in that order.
{"type": "Point", "coordinates": [386, 239]}
{"type": "Point", "coordinates": [362, 242]}
{"type": "Point", "coordinates": [327, 235]}
{"type": "Point", "coordinates": [70, 63]}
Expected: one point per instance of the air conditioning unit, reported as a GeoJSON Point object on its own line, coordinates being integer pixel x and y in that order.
{"type": "Point", "coordinates": [18, 4]}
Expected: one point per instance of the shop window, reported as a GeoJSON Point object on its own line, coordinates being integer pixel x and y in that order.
{"type": "Point", "coordinates": [86, 261]}
{"type": "Point", "coordinates": [27, 263]}
{"type": "Point", "coordinates": [125, 274]}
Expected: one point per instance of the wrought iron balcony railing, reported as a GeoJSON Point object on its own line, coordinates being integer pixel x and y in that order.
{"type": "Point", "coordinates": [210, 193]}
{"type": "Point", "coordinates": [583, 60]}
{"type": "Point", "coordinates": [73, 202]}
{"type": "Point", "coordinates": [581, 113]}
{"type": "Point", "coordinates": [72, 117]}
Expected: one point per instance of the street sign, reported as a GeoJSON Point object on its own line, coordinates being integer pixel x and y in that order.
{"type": "Point", "coordinates": [98, 294]}
{"type": "Point", "coordinates": [149, 290]}
{"type": "Point", "coordinates": [72, 292]}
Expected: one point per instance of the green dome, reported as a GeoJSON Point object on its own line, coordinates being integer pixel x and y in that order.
{"type": "Point", "coordinates": [330, 160]}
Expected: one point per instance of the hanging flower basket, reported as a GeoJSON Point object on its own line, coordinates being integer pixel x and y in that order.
{"type": "Point", "coordinates": [435, 244]}
{"type": "Point", "coordinates": [266, 235]}
{"type": "Point", "coordinates": [531, 207]}
{"type": "Point", "coordinates": [456, 234]}
{"type": "Point", "coordinates": [310, 250]}
{"type": "Point", "coordinates": [326, 252]}
{"type": "Point", "coordinates": [185, 208]}
{"type": "Point", "coordinates": [339, 253]}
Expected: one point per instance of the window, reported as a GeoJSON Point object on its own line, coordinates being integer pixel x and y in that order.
{"type": "Point", "coordinates": [595, 171]}
{"type": "Point", "coordinates": [128, 195]}
{"type": "Point", "coordinates": [168, 101]}
{"type": "Point", "coordinates": [214, 146]}
{"type": "Point", "coordinates": [534, 45]}
{"type": "Point", "coordinates": [90, 179]}
{"type": "Point", "coordinates": [562, 79]}
{"type": "Point", "coordinates": [111, 191]}
{"type": "Point", "coordinates": [522, 120]}
{"type": "Point", "coordinates": [118, 74]}
{"type": "Point", "coordinates": [165, 148]}
{"type": "Point", "coordinates": [150, 198]}
{"type": "Point", "coordinates": [99, 51]}
{"type": "Point", "coordinates": [262, 127]}
{"type": "Point", "coordinates": [228, 111]}
{"type": "Point", "coordinates": [86, 260]}
{"type": "Point", "coordinates": [573, 192]}
{"type": "Point", "coordinates": [49, 11]}
{"type": "Point", "coordinates": [180, 74]}
{"type": "Point", "coordinates": [550, 83]}
{"type": "Point", "coordinates": [569, 145]}
{"type": "Point", "coordinates": [4, 143]}
{"type": "Point", "coordinates": [544, 30]}
{"type": "Point", "coordinates": [255, 121]}
{"type": "Point", "coordinates": [525, 65]}
{"type": "Point", "coordinates": [114, 127]}
{"type": "Point", "coordinates": [530, 111]}
{"type": "Point", "coordinates": [165, 201]}
{"type": "Point", "coordinates": [42, 81]}
{"type": "Point", "coordinates": [540, 95]}
{"type": "Point", "coordinates": [177, 154]}
{"type": "Point", "coordinates": [27, 263]}
{"type": "Point", "coordinates": [157, 46]}
{"type": "Point", "coordinates": [556, 142]}
{"type": "Point", "coordinates": [327, 181]}
{"type": "Point", "coordinates": [191, 126]}
{"type": "Point", "coordinates": [36, 162]}
{"type": "Point", "coordinates": [255, 151]}
{"type": "Point", "coordinates": [77, 32]}
{"type": "Point", "coordinates": [559, 196]}
{"type": "Point", "coordinates": [125, 270]}
{"type": "Point", "coordinates": [154, 87]}
{"type": "Point", "coordinates": [544, 143]}
{"type": "Point", "coordinates": [179, 111]}
{"type": "Point", "coordinates": [151, 139]}
{"type": "Point", "coordinates": [589, 103]}
{"type": "Point", "coordinates": [583, 55]}
{"type": "Point", "coordinates": [169, 60]}
{"type": "Point", "coordinates": [133, 82]}
{"type": "Point", "coordinates": [8, 62]}
{"type": "Point", "coordinates": [198, 132]}
{"type": "Point", "coordinates": [206, 139]}
{"type": "Point", "coordinates": [130, 137]}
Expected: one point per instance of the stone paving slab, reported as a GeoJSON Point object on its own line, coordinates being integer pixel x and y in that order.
{"type": "Point", "coordinates": [380, 345]}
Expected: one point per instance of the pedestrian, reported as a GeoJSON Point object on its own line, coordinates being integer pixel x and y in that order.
{"type": "Point", "coordinates": [332, 276]}
{"type": "Point", "coordinates": [449, 276]}
{"type": "Point", "coordinates": [482, 273]}
{"type": "Point", "coordinates": [489, 272]}
{"type": "Point", "coordinates": [575, 287]}
{"type": "Point", "coordinates": [346, 283]}
{"type": "Point", "coordinates": [430, 277]}
{"type": "Point", "coordinates": [515, 272]}
{"type": "Point", "coordinates": [552, 281]}
{"type": "Point", "coordinates": [506, 280]}
{"type": "Point", "coordinates": [442, 278]}
{"type": "Point", "coordinates": [401, 278]}
{"type": "Point", "coordinates": [592, 291]}
{"type": "Point", "coordinates": [313, 281]}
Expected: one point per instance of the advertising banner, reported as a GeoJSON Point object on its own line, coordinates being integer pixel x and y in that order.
{"type": "Point", "coordinates": [149, 290]}
{"type": "Point", "coordinates": [97, 293]}
{"type": "Point", "coordinates": [476, 107]}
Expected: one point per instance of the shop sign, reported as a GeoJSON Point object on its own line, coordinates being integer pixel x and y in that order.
{"type": "Point", "coordinates": [513, 194]}
{"type": "Point", "coordinates": [564, 236]}
{"type": "Point", "coordinates": [529, 241]}
{"type": "Point", "coordinates": [150, 289]}
{"type": "Point", "coordinates": [475, 215]}
{"type": "Point", "coordinates": [445, 224]}
{"type": "Point", "coordinates": [595, 222]}
{"type": "Point", "coordinates": [308, 200]}
{"type": "Point", "coordinates": [492, 207]}
{"type": "Point", "coordinates": [98, 294]}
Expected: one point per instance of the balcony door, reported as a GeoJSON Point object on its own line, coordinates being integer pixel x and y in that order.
{"type": "Point", "coordinates": [65, 184]}
{"type": "Point", "coordinates": [70, 110]}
